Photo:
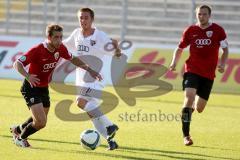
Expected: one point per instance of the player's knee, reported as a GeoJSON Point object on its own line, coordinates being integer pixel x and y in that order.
{"type": "Point", "coordinates": [81, 103]}
{"type": "Point", "coordinates": [200, 110]}
{"type": "Point", "coordinates": [189, 99]}
{"type": "Point", "coordinates": [39, 124]}
{"type": "Point", "coordinates": [42, 125]}
{"type": "Point", "coordinates": [92, 109]}
{"type": "Point", "coordinates": [200, 106]}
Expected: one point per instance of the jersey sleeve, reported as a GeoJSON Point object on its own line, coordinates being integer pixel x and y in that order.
{"type": "Point", "coordinates": [28, 57]}
{"type": "Point", "coordinates": [222, 34]}
{"type": "Point", "coordinates": [106, 42]}
{"type": "Point", "coordinates": [70, 41]}
{"type": "Point", "coordinates": [65, 53]}
{"type": "Point", "coordinates": [184, 42]}
{"type": "Point", "coordinates": [222, 37]}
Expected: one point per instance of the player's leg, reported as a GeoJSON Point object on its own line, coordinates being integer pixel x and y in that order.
{"type": "Point", "coordinates": [200, 104]}
{"type": "Point", "coordinates": [46, 102]}
{"type": "Point", "coordinates": [39, 117]}
{"type": "Point", "coordinates": [88, 100]}
{"type": "Point", "coordinates": [93, 110]}
{"type": "Point", "coordinates": [39, 122]}
{"type": "Point", "coordinates": [106, 128]}
{"type": "Point", "coordinates": [91, 107]}
{"type": "Point", "coordinates": [17, 129]}
{"type": "Point", "coordinates": [204, 90]}
{"type": "Point", "coordinates": [102, 124]}
{"type": "Point", "coordinates": [190, 85]}
{"type": "Point", "coordinates": [187, 114]}
{"type": "Point", "coordinates": [81, 102]}
{"type": "Point", "coordinates": [26, 91]}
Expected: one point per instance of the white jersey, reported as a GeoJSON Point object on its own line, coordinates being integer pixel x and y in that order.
{"type": "Point", "coordinates": [91, 49]}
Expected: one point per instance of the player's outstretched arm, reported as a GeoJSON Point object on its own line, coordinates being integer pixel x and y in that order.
{"type": "Point", "coordinates": [31, 78]}
{"type": "Point", "coordinates": [176, 56]}
{"type": "Point", "coordinates": [79, 63]}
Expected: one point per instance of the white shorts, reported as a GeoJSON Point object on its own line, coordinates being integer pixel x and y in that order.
{"type": "Point", "coordinates": [91, 92]}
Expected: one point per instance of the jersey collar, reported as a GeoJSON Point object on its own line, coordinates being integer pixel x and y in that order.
{"type": "Point", "coordinates": [93, 36]}
{"type": "Point", "coordinates": [210, 24]}
{"type": "Point", "coordinates": [45, 46]}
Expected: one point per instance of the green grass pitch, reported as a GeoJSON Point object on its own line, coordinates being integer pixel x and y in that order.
{"type": "Point", "coordinates": [216, 131]}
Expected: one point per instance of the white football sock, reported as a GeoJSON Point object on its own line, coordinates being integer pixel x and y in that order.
{"type": "Point", "coordinates": [105, 121]}
{"type": "Point", "coordinates": [92, 108]}
{"type": "Point", "coordinates": [99, 127]}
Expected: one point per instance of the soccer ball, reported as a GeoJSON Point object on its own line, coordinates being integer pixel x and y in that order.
{"type": "Point", "coordinates": [90, 139]}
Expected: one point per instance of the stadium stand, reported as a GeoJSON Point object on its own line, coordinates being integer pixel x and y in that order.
{"type": "Point", "coordinates": [152, 21]}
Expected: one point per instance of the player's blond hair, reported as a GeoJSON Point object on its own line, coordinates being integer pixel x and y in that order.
{"type": "Point", "coordinates": [53, 28]}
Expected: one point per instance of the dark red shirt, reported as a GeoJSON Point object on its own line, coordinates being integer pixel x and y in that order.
{"type": "Point", "coordinates": [42, 62]}
{"type": "Point", "coordinates": [204, 48]}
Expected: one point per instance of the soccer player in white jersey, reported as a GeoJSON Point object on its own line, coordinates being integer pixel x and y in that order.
{"type": "Point", "coordinates": [89, 41]}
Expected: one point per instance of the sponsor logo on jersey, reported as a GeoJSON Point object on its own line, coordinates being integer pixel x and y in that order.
{"type": "Point", "coordinates": [48, 66]}
{"type": "Point", "coordinates": [83, 48]}
{"type": "Point", "coordinates": [203, 42]}
{"type": "Point", "coordinates": [23, 58]}
{"type": "Point", "coordinates": [209, 34]}
{"type": "Point", "coordinates": [56, 55]}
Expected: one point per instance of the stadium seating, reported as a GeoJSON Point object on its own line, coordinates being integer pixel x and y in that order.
{"type": "Point", "coordinates": [152, 21]}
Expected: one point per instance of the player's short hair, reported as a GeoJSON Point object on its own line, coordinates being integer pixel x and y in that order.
{"type": "Point", "coordinates": [205, 6]}
{"type": "Point", "coordinates": [53, 28]}
{"type": "Point", "coordinates": [90, 11]}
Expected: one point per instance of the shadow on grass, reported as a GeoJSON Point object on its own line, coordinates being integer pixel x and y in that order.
{"type": "Point", "coordinates": [173, 154]}
{"type": "Point", "coordinates": [215, 148]}
{"type": "Point", "coordinates": [119, 153]}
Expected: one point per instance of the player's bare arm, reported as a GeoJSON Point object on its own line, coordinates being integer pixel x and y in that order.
{"type": "Point", "coordinates": [31, 78]}
{"type": "Point", "coordinates": [176, 56]}
{"type": "Point", "coordinates": [77, 62]}
{"type": "Point", "coordinates": [223, 59]}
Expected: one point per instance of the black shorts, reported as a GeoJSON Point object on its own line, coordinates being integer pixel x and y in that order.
{"type": "Point", "coordinates": [35, 95]}
{"type": "Point", "coordinates": [201, 84]}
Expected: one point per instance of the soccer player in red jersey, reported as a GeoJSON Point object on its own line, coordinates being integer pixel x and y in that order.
{"type": "Point", "coordinates": [42, 60]}
{"type": "Point", "coordinates": [205, 39]}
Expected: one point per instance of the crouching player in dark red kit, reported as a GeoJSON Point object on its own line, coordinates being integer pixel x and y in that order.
{"type": "Point", "coordinates": [42, 60]}
{"type": "Point", "coordinates": [204, 39]}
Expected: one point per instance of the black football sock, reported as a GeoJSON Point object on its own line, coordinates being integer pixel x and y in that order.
{"type": "Point", "coordinates": [27, 131]}
{"type": "Point", "coordinates": [18, 129]}
{"type": "Point", "coordinates": [29, 120]}
{"type": "Point", "coordinates": [22, 126]}
{"type": "Point", "coordinates": [186, 119]}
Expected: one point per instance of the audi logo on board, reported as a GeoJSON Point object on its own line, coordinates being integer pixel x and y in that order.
{"type": "Point", "coordinates": [203, 42]}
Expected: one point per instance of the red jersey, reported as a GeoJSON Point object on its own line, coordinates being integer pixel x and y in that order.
{"type": "Point", "coordinates": [204, 48]}
{"type": "Point", "coordinates": [42, 62]}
